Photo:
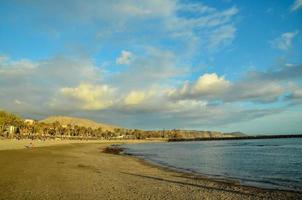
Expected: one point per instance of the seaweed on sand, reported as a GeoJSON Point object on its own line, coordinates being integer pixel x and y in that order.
{"type": "Point", "coordinates": [113, 149]}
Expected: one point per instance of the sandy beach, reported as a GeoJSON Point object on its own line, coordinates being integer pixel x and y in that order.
{"type": "Point", "coordinates": [82, 171]}
{"type": "Point", "coordinates": [13, 144]}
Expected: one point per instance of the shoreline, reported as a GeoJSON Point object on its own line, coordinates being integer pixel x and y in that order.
{"type": "Point", "coordinates": [201, 176]}
{"type": "Point", "coordinates": [83, 171]}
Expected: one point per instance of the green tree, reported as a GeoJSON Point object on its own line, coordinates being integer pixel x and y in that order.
{"type": "Point", "coordinates": [9, 119]}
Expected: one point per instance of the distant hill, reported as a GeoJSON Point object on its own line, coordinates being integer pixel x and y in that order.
{"type": "Point", "coordinates": [79, 122]}
{"type": "Point", "coordinates": [235, 134]}
{"type": "Point", "coordinates": [64, 120]}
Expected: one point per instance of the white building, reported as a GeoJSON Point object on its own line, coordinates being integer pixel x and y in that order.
{"type": "Point", "coordinates": [29, 121]}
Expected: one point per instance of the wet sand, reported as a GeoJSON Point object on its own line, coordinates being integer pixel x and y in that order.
{"type": "Point", "coordinates": [83, 171]}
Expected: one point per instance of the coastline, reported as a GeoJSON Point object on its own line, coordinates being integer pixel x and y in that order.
{"type": "Point", "coordinates": [197, 175]}
{"type": "Point", "coordinates": [265, 177]}
{"type": "Point", "coordinates": [83, 171]}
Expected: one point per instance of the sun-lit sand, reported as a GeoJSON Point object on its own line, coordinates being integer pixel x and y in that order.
{"type": "Point", "coordinates": [83, 171]}
{"type": "Point", "coordinates": [21, 144]}
{"type": "Point", "coordinates": [9, 144]}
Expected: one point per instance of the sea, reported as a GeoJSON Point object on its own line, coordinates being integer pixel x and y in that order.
{"type": "Point", "coordinates": [266, 163]}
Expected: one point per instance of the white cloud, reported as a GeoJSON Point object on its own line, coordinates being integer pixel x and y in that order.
{"type": "Point", "coordinates": [295, 91]}
{"type": "Point", "coordinates": [37, 82]}
{"type": "Point", "coordinates": [191, 114]}
{"type": "Point", "coordinates": [79, 88]}
{"type": "Point", "coordinates": [90, 97]}
{"type": "Point", "coordinates": [210, 27]}
{"type": "Point", "coordinates": [147, 86]}
{"type": "Point", "coordinates": [296, 5]}
{"type": "Point", "coordinates": [124, 58]}
{"type": "Point", "coordinates": [15, 68]}
{"type": "Point", "coordinates": [156, 66]}
{"type": "Point", "coordinates": [185, 105]}
{"type": "Point", "coordinates": [144, 22]}
{"type": "Point", "coordinates": [297, 94]}
{"type": "Point", "coordinates": [145, 8]}
{"type": "Point", "coordinates": [210, 83]}
{"type": "Point", "coordinates": [3, 58]}
{"type": "Point", "coordinates": [196, 7]}
{"type": "Point", "coordinates": [150, 99]}
{"type": "Point", "coordinates": [135, 97]}
{"type": "Point", "coordinates": [255, 91]}
{"type": "Point", "coordinates": [222, 36]}
{"type": "Point", "coordinates": [207, 85]}
{"type": "Point", "coordinates": [284, 42]}
{"type": "Point", "coordinates": [211, 87]}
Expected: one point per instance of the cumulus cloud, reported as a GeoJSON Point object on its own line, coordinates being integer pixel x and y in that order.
{"type": "Point", "coordinates": [296, 5]}
{"type": "Point", "coordinates": [191, 114]}
{"type": "Point", "coordinates": [34, 83]}
{"type": "Point", "coordinates": [135, 97]}
{"type": "Point", "coordinates": [35, 89]}
{"type": "Point", "coordinates": [254, 86]}
{"type": "Point", "coordinates": [90, 97]}
{"type": "Point", "coordinates": [146, 94]}
{"type": "Point", "coordinates": [296, 94]}
{"type": "Point", "coordinates": [284, 42]}
{"type": "Point", "coordinates": [210, 83]}
{"type": "Point", "coordinates": [124, 58]}
{"type": "Point", "coordinates": [207, 85]}
{"type": "Point", "coordinates": [255, 91]}
{"type": "Point", "coordinates": [186, 105]}
{"type": "Point", "coordinates": [67, 85]}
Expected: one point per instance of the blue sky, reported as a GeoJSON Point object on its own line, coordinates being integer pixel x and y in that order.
{"type": "Point", "coordinates": [218, 65]}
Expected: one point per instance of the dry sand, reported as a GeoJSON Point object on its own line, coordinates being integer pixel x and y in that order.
{"type": "Point", "coordinates": [82, 171]}
{"type": "Point", "coordinates": [10, 144]}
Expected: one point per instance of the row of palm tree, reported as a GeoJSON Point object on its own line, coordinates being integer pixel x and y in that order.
{"type": "Point", "coordinates": [22, 129]}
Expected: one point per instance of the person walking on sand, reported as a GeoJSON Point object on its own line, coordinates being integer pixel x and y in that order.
{"type": "Point", "coordinates": [30, 146]}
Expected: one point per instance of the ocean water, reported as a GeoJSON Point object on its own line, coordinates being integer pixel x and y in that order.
{"type": "Point", "coordinates": [270, 163]}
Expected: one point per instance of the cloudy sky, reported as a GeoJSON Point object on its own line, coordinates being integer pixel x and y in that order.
{"type": "Point", "coordinates": [221, 65]}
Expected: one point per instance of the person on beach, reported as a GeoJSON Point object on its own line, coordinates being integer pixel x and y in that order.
{"type": "Point", "coordinates": [30, 146]}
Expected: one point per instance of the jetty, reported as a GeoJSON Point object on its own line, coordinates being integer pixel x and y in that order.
{"type": "Point", "coordinates": [236, 138]}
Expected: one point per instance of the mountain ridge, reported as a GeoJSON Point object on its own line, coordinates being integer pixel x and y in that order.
{"type": "Point", "coordinates": [65, 120]}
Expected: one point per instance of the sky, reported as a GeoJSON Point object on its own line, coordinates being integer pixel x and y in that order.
{"type": "Point", "coordinates": [224, 65]}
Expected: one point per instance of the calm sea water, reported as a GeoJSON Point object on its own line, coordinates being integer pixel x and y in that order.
{"type": "Point", "coordinates": [271, 163]}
